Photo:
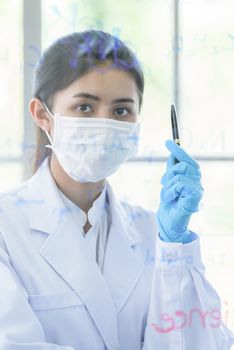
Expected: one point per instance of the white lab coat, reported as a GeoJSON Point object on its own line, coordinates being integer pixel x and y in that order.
{"type": "Point", "coordinates": [53, 295]}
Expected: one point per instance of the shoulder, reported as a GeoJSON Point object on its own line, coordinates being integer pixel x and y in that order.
{"type": "Point", "coordinates": [144, 220]}
{"type": "Point", "coordinates": [13, 203]}
{"type": "Point", "coordinates": [14, 194]}
{"type": "Point", "coordinates": [137, 212]}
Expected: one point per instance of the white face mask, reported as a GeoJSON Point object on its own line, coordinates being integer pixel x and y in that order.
{"type": "Point", "coordinates": [90, 149]}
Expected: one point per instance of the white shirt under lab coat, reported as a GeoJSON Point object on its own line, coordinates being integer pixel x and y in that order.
{"type": "Point", "coordinates": [99, 219]}
{"type": "Point", "coordinates": [151, 295]}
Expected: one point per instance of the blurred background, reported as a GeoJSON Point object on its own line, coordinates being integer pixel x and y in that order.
{"type": "Point", "coordinates": [186, 49]}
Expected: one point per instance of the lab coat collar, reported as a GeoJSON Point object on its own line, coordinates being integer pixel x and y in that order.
{"type": "Point", "coordinates": [95, 212]}
{"type": "Point", "coordinates": [43, 191]}
{"type": "Point", "coordinates": [65, 249]}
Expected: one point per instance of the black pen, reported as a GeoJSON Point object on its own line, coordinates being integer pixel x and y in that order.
{"type": "Point", "coordinates": [175, 131]}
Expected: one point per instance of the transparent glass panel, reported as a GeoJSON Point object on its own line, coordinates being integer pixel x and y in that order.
{"type": "Point", "coordinates": [11, 102]}
{"type": "Point", "coordinates": [146, 27]}
{"type": "Point", "coordinates": [207, 76]}
{"type": "Point", "coordinates": [11, 175]}
{"type": "Point", "coordinates": [139, 183]}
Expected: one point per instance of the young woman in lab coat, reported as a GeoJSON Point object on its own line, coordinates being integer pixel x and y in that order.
{"type": "Point", "coordinates": [79, 269]}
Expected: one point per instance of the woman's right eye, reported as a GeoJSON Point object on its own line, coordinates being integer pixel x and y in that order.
{"type": "Point", "coordinates": [83, 108]}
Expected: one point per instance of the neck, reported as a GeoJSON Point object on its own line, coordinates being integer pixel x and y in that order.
{"type": "Point", "coordinates": [83, 194]}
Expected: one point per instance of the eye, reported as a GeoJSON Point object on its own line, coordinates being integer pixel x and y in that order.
{"type": "Point", "coordinates": [121, 109]}
{"type": "Point", "coordinates": [84, 108]}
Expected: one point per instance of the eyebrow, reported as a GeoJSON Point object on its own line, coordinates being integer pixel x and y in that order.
{"type": "Point", "coordinates": [96, 98]}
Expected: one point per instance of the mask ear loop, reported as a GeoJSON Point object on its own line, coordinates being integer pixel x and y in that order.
{"type": "Point", "coordinates": [47, 134]}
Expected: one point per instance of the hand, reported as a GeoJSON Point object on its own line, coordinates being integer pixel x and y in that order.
{"type": "Point", "coordinates": [180, 195]}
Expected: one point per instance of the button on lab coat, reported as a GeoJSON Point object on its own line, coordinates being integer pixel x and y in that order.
{"type": "Point", "coordinates": [54, 296]}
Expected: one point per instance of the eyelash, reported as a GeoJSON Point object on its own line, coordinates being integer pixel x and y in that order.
{"type": "Point", "coordinates": [84, 104]}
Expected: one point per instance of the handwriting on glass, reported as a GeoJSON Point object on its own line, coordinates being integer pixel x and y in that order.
{"type": "Point", "coordinates": [182, 319]}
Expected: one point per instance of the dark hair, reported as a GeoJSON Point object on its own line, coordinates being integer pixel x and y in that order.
{"type": "Point", "coordinates": [72, 56]}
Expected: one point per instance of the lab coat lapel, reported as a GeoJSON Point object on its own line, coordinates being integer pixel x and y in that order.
{"type": "Point", "coordinates": [66, 252]}
{"type": "Point", "coordinates": [123, 266]}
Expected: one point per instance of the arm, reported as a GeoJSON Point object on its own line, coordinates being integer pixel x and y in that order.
{"type": "Point", "coordinates": [19, 327]}
{"type": "Point", "coordinates": [184, 311]}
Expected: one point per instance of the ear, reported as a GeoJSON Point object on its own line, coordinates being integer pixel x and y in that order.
{"type": "Point", "coordinates": [40, 115]}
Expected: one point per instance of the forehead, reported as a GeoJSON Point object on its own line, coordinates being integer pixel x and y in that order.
{"type": "Point", "coordinates": [102, 81]}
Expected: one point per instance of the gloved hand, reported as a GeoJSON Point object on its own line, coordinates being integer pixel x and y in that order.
{"type": "Point", "coordinates": [180, 195]}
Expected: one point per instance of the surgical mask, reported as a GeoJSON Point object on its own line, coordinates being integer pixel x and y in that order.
{"type": "Point", "coordinates": [90, 149]}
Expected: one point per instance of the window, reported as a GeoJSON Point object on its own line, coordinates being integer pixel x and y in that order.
{"type": "Point", "coordinates": [11, 102]}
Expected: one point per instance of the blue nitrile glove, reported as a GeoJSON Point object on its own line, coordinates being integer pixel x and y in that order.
{"type": "Point", "coordinates": [180, 195]}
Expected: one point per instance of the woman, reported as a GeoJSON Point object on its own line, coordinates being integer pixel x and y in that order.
{"type": "Point", "coordinates": [80, 269]}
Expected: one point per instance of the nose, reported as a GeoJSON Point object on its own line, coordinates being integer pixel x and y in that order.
{"type": "Point", "coordinates": [103, 112]}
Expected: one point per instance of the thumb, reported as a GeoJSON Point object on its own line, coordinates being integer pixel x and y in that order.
{"type": "Point", "coordinates": [180, 154]}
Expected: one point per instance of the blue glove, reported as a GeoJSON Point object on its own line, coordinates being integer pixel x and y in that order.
{"type": "Point", "coordinates": [180, 195]}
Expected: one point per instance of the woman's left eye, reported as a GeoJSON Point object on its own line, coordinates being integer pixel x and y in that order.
{"type": "Point", "coordinates": [121, 114]}
{"type": "Point", "coordinates": [84, 109]}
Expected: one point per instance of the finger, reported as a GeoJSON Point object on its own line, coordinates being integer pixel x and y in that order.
{"type": "Point", "coordinates": [184, 178]}
{"type": "Point", "coordinates": [191, 204]}
{"type": "Point", "coordinates": [180, 188]}
{"type": "Point", "coordinates": [180, 168]}
{"type": "Point", "coordinates": [180, 154]}
{"type": "Point", "coordinates": [170, 161]}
